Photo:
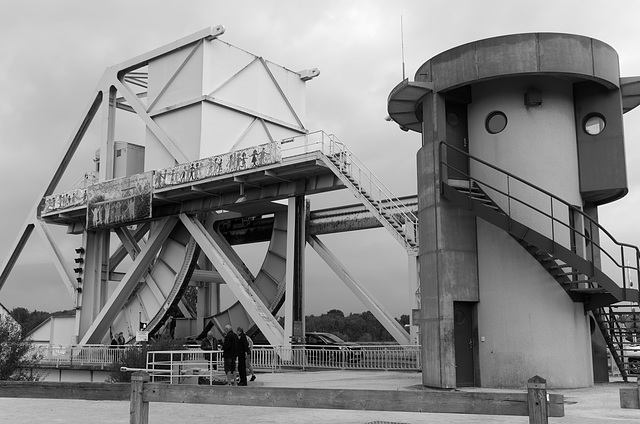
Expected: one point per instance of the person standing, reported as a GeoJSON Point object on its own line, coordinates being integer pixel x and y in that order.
{"type": "Point", "coordinates": [209, 344]}
{"type": "Point", "coordinates": [242, 356]}
{"type": "Point", "coordinates": [229, 354]}
{"type": "Point", "coordinates": [248, 360]}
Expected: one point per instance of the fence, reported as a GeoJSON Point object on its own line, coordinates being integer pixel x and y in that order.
{"type": "Point", "coordinates": [385, 357]}
{"type": "Point", "coordinates": [265, 358]}
{"type": "Point", "coordinates": [185, 366]}
{"type": "Point", "coordinates": [79, 355]}
{"type": "Point", "coordinates": [536, 403]}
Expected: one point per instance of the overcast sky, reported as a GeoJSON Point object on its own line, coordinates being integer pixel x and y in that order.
{"type": "Point", "coordinates": [54, 53]}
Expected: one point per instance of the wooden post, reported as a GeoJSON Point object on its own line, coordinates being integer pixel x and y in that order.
{"type": "Point", "coordinates": [537, 400]}
{"type": "Point", "coordinates": [139, 409]}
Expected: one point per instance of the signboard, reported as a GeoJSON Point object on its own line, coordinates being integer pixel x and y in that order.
{"type": "Point", "coordinates": [142, 336]}
{"type": "Point", "coordinates": [66, 200]}
{"type": "Point", "coordinates": [119, 201]}
{"type": "Point", "coordinates": [238, 160]}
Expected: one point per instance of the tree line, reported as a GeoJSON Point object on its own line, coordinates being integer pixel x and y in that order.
{"type": "Point", "coordinates": [355, 327]}
{"type": "Point", "coordinates": [28, 320]}
{"type": "Point", "coordinates": [363, 327]}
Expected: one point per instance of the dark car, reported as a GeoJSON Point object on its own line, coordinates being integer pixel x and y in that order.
{"type": "Point", "coordinates": [336, 348]}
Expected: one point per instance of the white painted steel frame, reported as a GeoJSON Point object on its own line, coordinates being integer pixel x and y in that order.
{"type": "Point", "coordinates": [240, 287]}
{"type": "Point", "coordinates": [376, 308]}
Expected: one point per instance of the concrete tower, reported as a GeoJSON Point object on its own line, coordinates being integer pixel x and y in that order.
{"type": "Point", "coordinates": [511, 257]}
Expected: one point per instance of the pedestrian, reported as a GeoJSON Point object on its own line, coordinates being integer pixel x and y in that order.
{"type": "Point", "coordinates": [209, 344]}
{"type": "Point", "coordinates": [242, 356]}
{"type": "Point", "coordinates": [171, 327]}
{"type": "Point", "coordinates": [248, 359]}
{"type": "Point", "coordinates": [229, 354]}
{"type": "Point", "coordinates": [121, 340]}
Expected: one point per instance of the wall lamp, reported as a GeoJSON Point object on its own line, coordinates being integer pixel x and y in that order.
{"type": "Point", "coordinates": [532, 98]}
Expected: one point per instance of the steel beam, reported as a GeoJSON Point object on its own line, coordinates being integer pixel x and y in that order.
{"type": "Point", "coordinates": [57, 258]}
{"type": "Point", "coordinates": [383, 316]}
{"type": "Point", "coordinates": [100, 325]}
{"type": "Point", "coordinates": [239, 286]}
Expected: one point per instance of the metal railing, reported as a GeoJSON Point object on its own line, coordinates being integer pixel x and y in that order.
{"type": "Point", "coordinates": [566, 224]}
{"type": "Point", "coordinates": [384, 357]}
{"type": "Point", "coordinates": [329, 145]}
{"type": "Point", "coordinates": [185, 366]}
{"type": "Point", "coordinates": [181, 363]}
{"type": "Point", "coordinates": [61, 355]}
{"type": "Point", "coordinates": [377, 194]}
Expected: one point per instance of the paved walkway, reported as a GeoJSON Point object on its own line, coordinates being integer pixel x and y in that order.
{"type": "Point", "coordinates": [599, 404]}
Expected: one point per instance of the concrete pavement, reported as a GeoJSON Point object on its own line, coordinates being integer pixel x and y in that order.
{"type": "Point", "coordinates": [599, 404]}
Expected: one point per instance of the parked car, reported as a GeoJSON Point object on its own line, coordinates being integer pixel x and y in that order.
{"type": "Point", "coordinates": [633, 358]}
{"type": "Point", "coordinates": [339, 349]}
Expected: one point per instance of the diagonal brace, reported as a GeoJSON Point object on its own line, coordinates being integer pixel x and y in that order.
{"type": "Point", "coordinates": [382, 315]}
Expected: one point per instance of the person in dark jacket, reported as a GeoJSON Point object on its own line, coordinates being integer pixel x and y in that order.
{"type": "Point", "coordinates": [230, 353]}
{"type": "Point", "coordinates": [242, 355]}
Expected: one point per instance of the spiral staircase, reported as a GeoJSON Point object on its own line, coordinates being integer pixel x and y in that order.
{"type": "Point", "coordinates": [569, 247]}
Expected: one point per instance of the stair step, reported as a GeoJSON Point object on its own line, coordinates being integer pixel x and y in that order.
{"type": "Point", "coordinates": [551, 259]}
{"type": "Point", "coordinates": [567, 274]}
{"type": "Point", "coordinates": [556, 266]}
{"type": "Point", "coordinates": [595, 290]}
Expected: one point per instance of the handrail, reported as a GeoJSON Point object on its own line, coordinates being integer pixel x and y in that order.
{"type": "Point", "coordinates": [368, 183]}
{"type": "Point", "coordinates": [588, 238]}
{"type": "Point", "coordinates": [330, 145]}
{"type": "Point", "coordinates": [263, 357]}
{"type": "Point", "coordinates": [373, 180]}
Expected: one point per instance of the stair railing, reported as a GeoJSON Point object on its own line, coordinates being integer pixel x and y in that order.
{"type": "Point", "coordinates": [349, 165]}
{"type": "Point", "coordinates": [591, 232]}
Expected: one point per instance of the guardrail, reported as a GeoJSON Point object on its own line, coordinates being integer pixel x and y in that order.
{"type": "Point", "coordinates": [373, 189]}
{"type": "Point", "coordinates": [383, 357]}
{"type": "Point", "coordinates": [186, 367]}
{"type": "Point", "coordinates": [61, 355]}
{"type": "Point", "coordinates": [263, 357]}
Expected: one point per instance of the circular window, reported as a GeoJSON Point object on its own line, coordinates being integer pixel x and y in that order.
{"type": "Point", "coordinates": [452, 119]}
{"type": "Point", "coordinates": [496, 122]}
{"type": "Point", "coordinates": [594, 124]}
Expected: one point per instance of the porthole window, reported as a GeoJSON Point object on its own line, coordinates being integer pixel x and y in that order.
{"type": "Point", "coordinates": [496, 122]}
{"type": "Point", "coordinates": [594, 124]}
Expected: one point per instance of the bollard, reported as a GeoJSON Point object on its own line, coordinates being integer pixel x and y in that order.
{"type": "Point", "coordinates": [139, 409]}
{"type": "Point", "coordinates": [537, 400]}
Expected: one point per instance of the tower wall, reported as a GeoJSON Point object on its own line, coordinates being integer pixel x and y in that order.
{"type": "Point", "coordinates": [542, 113]}
{"type": "Point", "coordinates": [527, 325]}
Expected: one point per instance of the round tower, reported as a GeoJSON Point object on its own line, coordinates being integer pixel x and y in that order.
{"type": "Point", "coordinates": [522, 140]}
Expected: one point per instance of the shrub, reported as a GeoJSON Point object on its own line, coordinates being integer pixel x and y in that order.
{"type": "Point", "coordinates": [136, 357]}
{"type": "Point", "coordinates": [16, 354]}
{"type": "Point", "coordinates": [132, 357]}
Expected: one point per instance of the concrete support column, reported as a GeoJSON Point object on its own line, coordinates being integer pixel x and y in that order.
{"type": "Point", "coordinates": [294, 299]}
{"type": "Point", "coordinates": [447, 257]}
{"type": "Point", "coordinates": [95, 279]}
{"type": "Point", "coordinates": [414, 298]}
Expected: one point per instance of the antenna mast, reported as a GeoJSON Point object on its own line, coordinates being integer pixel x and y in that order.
{"type": "Point", "coordinates": [402, 45]}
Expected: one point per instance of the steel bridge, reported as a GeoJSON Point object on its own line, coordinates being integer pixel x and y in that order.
{"type": "Point", "coordinates": [157, 218]}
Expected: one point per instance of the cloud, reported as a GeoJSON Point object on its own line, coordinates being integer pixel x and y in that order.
{"type": "Point", "coordinates": [54, 54]}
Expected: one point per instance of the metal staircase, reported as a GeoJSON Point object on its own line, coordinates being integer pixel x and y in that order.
{"type": "Point", "coordinates": [567, 243]}
{"type": "Point", "coordinates": [397, 218]}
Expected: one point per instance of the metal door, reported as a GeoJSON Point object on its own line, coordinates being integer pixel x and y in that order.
{"type": "Point", "coordinates": [463, 333]}
{"type": "Point", "coordinates": [457, 136]}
